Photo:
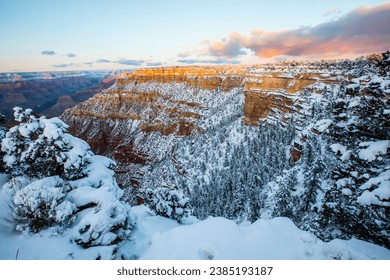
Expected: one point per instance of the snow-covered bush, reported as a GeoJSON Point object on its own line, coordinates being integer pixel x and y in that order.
{"type": "Point", "coordinates": [41, 204]}
{"type": "Point", "coordinates": [104, 218]}
{"type": "Point", "coordinates": [109, 225]}
{"type": "Point", "coordinates": [40, 147]}
{"type": "Point", "coordinates": [168, 203]}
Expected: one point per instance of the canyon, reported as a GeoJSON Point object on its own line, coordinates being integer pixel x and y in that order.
{"type": "Point", "coordinates": [50, 93]}
{"type": "Point", "coordinates": [304, 140]}
{"type": "Point", "coordinates": [154, 106]}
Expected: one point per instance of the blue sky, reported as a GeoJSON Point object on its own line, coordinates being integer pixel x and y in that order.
{"type": "Point", "coordinates": [43, 35]}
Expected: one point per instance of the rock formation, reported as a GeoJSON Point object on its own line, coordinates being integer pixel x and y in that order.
{"type": "Point", "coordinates": [147, 111]}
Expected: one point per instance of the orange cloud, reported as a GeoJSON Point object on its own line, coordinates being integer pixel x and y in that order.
{"type": "Point", "coordinates": [232, 47]}
{"type": "Point", "coordinates": [363, 30]}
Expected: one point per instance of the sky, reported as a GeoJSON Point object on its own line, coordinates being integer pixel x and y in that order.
{"type": "Point", "coordinates": [47, 35]}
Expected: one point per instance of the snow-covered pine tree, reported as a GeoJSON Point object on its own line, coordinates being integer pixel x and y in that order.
{"type": "Point", "coordinates": [168, 203]}
{"type": "Point", "coordinates": [58, 182]}
{"type": "Point", "coordinates": [40, 147]}
{"type": "Point", "coordinates": [357, 202]}
{"type": "Point", "coordinates": [284, 203]}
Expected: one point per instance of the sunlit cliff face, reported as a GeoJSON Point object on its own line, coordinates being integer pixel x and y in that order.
{"type": "Point", "coordinates": [132, 98]}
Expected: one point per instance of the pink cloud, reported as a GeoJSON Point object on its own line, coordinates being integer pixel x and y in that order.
{"type": "Point", "coordinates": [363, 30]}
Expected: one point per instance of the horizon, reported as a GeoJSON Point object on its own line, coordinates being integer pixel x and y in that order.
{"type": "Point", "coordinates": [124, 70]}
{"type": "Point", "coordinates": [128, 35]}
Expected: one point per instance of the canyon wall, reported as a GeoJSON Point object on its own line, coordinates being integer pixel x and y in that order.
{"type": "Point", "coordinates": [145, 113]}
{"type": "Point", "coordinates": [50, 93]}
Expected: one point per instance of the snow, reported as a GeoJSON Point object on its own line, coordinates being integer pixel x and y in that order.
{"type": "Point", "coordinates": [354, 103]}
{"type": "Point", "coordinates": [346, 156]}
{"type": "Point", "coordinates": [376, 80]}
{"type": "Point", "coordinates": [46, 188]}
{"type": "Point", "coordinates": [343, 182]}
{"type": "Point", "coordinates": [279, 238]}
{"type": "Point", "coordinates": [336, 148]}
{"type": "Point", "coordinates": [354, 174]}
{"type": "Point", "coordinates": [323, 125]}
{"type": "Point", "coordinates": [94, 225]}
{"type": "Point", "coordinates": [384, 176]}
{"type": "Point", "coordinates": [53, 128]}
{"type": "Point", "coordinates": [3, 179]}
{"type": "Point", "coordinates": [346, 191]}
{"type": "Point", "coordinates": [372, 149]}
{"type": "Point", "coordinates": [97, 172]}
{"type": "Point", "coordinates": [47, 245]}
{"type": "Point", "coordinates": [26, 129]}
{"type": "Point", "coordinates": [157, 237]}
{"type": "Point", "coordinates": [148, 225]}
{"type": "Point", "coordinates": [378, 196]}
{"type": "Point", "coordinates": [353, 86]}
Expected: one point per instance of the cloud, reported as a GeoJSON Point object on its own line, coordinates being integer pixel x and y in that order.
{"type": "Point", "coordinates": [130, 62]}
{"type": "Point", "coordinates": [185, 54]}
{"type": "Point", "coordinates": [363, 30]}
{"type": "Point", "coordinates": [208, 61]}
{"type": "Point", "coordinates": [332, 13]}
{"type": "Point", "coordinates": [71, 55]}
{"type": "Point", "coordinates": [153, 64]}
{"type": "Point", "coordinates": [231, 47]}
{"type": "Point", "coordinates": [89, 63]}
{"type": "Point", "coordinates": [65, 65]}
{"type": "Point", "coordinates": [102, 60]}
{"type": "Point", "coordinates": [46, 52]}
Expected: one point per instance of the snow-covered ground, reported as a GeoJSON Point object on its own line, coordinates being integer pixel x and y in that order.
{"type": "Point", "coordinates": [220, 238]}
{"type": "Point", "coordinates": [160, 238]}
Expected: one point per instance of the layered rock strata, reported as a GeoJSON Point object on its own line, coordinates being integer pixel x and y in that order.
{"type": "Point", "coordinates": [141, 117]}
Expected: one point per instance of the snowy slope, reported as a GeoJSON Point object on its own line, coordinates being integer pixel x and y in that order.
{"type": "Point", "coordinates": [279, 238]}
{"type": "Point", "coordinates": [160, 238]}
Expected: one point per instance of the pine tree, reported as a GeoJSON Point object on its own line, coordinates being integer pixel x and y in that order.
{"type": "Point", "coordinates": [41, 147]}
{"type": "Point", "coordinates": [58, 182]}
{"type": "Point", "coordinates": [359, 117]}
{"type": "Point", "coordinates": [168, 203]}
